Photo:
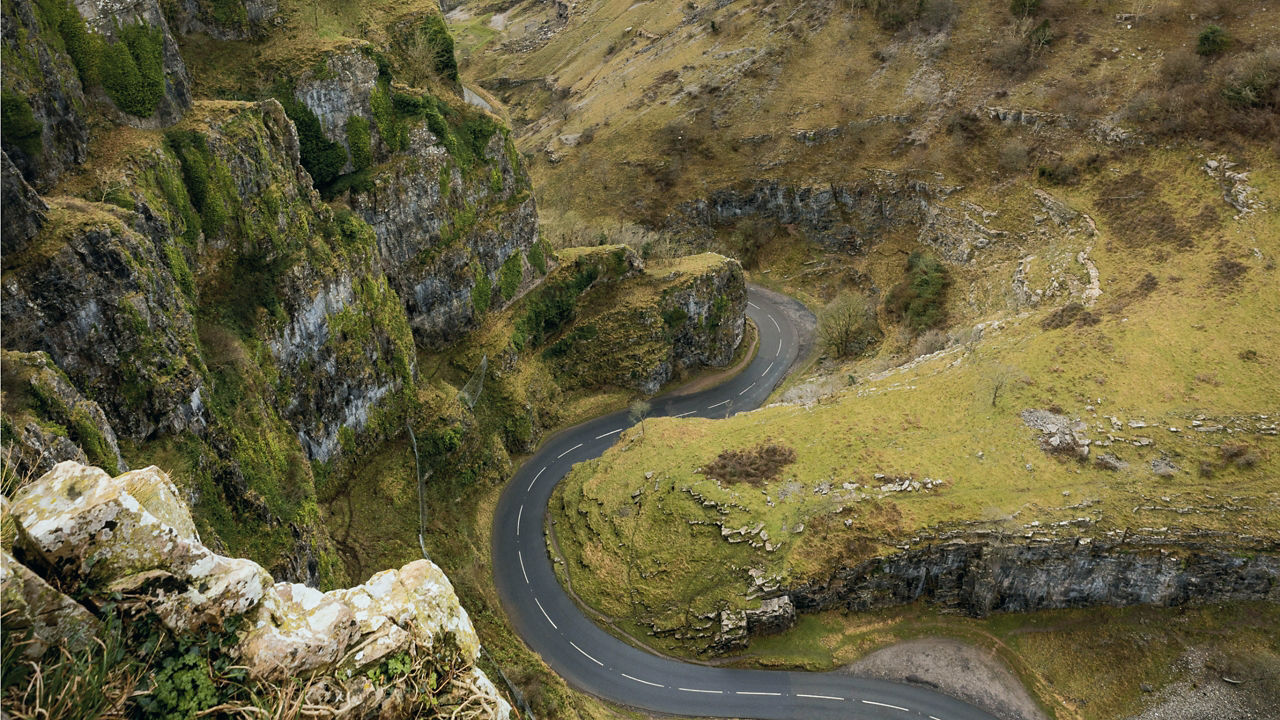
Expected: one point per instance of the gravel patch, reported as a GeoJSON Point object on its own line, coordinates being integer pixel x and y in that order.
{"type": "Point", "coordinates": [1202, 693]}
{"type": "Point", "coordinates": [958, 669]}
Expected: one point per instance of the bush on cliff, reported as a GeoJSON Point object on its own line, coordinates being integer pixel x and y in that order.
{"type": "Point", "coordinates": [132, 69]}
{"type": "Point", "coordinates": [322, 157]}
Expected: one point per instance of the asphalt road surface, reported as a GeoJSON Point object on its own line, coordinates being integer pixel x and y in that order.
{"type": "Point", "coordinates": [594, 661]}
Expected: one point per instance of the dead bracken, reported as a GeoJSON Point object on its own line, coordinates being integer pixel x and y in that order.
{"type": "Point", "coordinates": [755, 465]}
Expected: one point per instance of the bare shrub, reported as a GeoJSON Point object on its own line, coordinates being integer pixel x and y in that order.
{"type": "Point", "coordinates": [755, 465]}
{"type": "Point", "coordinates": [1181, 67]}
{"type": "Point", "coordinates": [1013, 156]}
{"type": "Point", "coordinates": [847, 326]}
{"type": "Point", "coordinates": [1240, 455]}
{"type": "Point", "coordinates": [928, 343]}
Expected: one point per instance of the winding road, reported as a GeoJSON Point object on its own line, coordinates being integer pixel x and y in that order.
{"type": "Point", "coordinates": [592, 660]}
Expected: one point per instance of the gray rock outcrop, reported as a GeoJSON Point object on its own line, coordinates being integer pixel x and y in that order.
{"type": "Point", "coordinates": [980, 578]}
{"type": "Point", "coordinates": [1059, 434]}
{"type": "Point", "coordinates": [850, 218]}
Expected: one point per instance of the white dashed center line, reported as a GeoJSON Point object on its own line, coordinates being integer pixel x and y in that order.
{"type": "Point", "coordinates": [611, 432]}
{"type": "Point", "coordinates": [932, 717]}
{"type": "Point", "coordinates": [709, 692]}
{"type": "Point", "coordinates": [535, 479]}
{"type": "Point", "coordinates": [766, 370]}
{"type": "Point", "coordinates": [778, 352]}
{"type": "Point", "coordinates": [748, 692]}
{"type": "Point", "coordinates": [544, 613]}
{"type": "Point", "coordinates": [744, 391]}
{"type": "Point", "coordinates": [819, 697]}
{"type": "Point", "coordinates": [688, 413]}
{"type": "Point", "coordinates": [566, 452]}
{"type": "Point", "coordinates": [775, 324]}
{"type": "Point", "coordinates": [753, 305]}
{"type": "Point", "coordinates": [712, 407]}
{"type": "Point", "coordinates": [523, 572]}
{"type": "Point", "coordinates": [895, 707]}
{"type": "Point", "coordinates": [584, 652]}
{"type": "Point", "coordinates": [518, 516]}
{"type": "Point", "coordinates": [645, 682]}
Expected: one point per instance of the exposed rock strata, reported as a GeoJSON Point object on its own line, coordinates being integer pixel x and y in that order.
{"type": "Point", "coordinates": [851, 218]}
{"type": "Point", "coordinates": [981, 578]}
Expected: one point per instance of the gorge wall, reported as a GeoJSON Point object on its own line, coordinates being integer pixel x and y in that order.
{"type": "Point", "coordinates": [984, 575]}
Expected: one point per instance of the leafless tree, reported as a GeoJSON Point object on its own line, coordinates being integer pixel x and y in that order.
{"type": "Point", "coordinates": [846, 326]}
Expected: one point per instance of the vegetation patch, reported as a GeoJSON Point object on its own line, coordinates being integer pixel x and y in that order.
{"type": "Point", "coordinates": [920, 299]}
{"type": "Point", "coordinates": [321, 157]}
{"type": "Point", "coordinates": [755, 466]}
{"type": "Point", "coordinates": [19, 125]}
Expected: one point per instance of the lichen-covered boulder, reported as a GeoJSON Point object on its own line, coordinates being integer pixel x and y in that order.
{"type": "Point", "coordinates": [132, 534]}
{"type": "Point", "coordinates": [128, 534]}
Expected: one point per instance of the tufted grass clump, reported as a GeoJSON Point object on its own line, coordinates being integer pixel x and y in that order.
{"type": "Point", "coordinates": [756, 465]}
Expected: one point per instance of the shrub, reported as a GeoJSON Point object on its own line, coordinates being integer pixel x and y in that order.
{"type": "Point", "coordinates": [360, 142]}
{"type": "Point", "coordinates": [1255, 82]}
{"type": "Point", "coordinates": [196, 160]}
{"type": "Point", "coordinates": [1213, 40]}
{"type": "Point", "coordinates": [441, 42]}
{"type": "Point", "coordinates": [1024, 8]}
{"type": "Point", "coordinates": [132, 69]}
{"type": "Point", "coordinates": [920, 299]}
{"type": "Point", "coordinates": [19, 125]}
{"type": "Point", "coordinates": [510, 276]}
{"type": "Point", "coordinates": [1058, 172]}
{"type": "Point", "coordinates": [391, 126]}
{"type": "Point", "coordinates": [929, 342]}
{"type": "Point", "coordinates": [1013, 156]}
{"type": "Point", "coordinates": [847, 326]}
{"type": "Point", "coordinates": [321, 157]}
{"type": "Point", "coordinates": [538, 258]}
{"type": "Point", "coordinates": [551, 308]}
{"type": "Point", "coordinates": [83, 46]}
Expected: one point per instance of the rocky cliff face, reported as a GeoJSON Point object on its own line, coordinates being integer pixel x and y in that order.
{"type": "Point", "coordinates": [131, 535]}
{"type": "Point", "coordinates": [638, 327]}
{"type": "Point", "coordinates": [196, 290]}
{"type": "Point", "coordinates": [47, 420]}
{"type": "Point", "coordinates": [234, 20]}
{"type": "Point", "coordinates": [97, 293]}
{"type": "Point", "coordinates": [440, 229]}
{"type": "Point", "coordinates": [851, 217]}
{"type": "Point", "coordinates": [983, 577]}
{"type": "Point", "coordinates": [446, 213]}
{"type": "Point", "coordinates": [40, 74]}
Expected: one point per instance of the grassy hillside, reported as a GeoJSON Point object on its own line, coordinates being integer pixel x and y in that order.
{"type": "Point", "coordinates": [658, 103]}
